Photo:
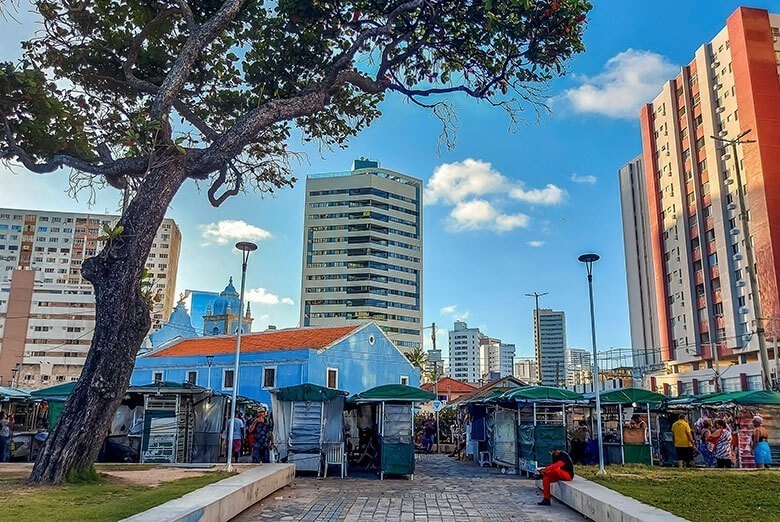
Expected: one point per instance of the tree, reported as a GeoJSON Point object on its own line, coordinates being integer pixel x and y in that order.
{"type": "Point", "coordinates": [144, 96]}
{"type": "Point", "coordinates": [417, 357]}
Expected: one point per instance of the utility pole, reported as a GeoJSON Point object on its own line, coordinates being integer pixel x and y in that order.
{"type": "Point", "coordinates": [435, 382]}
{"type": "Point", "coordinates": [717, 366]}
{"type": "Point", "coordinates": [536, 296]}
{"type": "Point", "coordinates": [743, 214]}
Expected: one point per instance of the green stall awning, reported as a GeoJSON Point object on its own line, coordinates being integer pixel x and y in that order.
{"type": "Point", "coordinates": [627, 396]}
{"type": "Point", "coordinates": [745, 398]}
{"type": "Point", "coordinates": [543, 394]}
{"type": "Point", "coordinates": [393, 392]}
{"type": "Point", "coordinates": [59, 392]}
{"type": "Point", "coordinates": [7, 394]}
{"type": "Point", "coordinates": [307, 393]}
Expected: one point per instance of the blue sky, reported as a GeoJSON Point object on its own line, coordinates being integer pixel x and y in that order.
{"type": "Point", "coordinates": [553, 184]}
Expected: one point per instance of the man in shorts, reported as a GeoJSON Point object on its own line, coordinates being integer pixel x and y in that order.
{"type": "Point", "coordinates": [683, 442]}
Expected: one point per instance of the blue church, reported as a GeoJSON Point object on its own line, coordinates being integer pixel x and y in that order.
{"type": "Point", "coordinates": [349, 358]}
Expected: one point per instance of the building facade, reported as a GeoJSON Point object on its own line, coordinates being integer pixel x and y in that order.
{"type": "Point", "coordinates": [500, 357]}
{"type": "Point", "coordinates": [348, 358]}
{"type": "Point", "coordinates": [467, 361]}
{"type": "Point", "coordinates": [221, 317]}
{"type": "Point", "coordinates": [362, 251]}
{"type": "Point", "coordinates": [56, 243]}
{"type": "Point", "coordinates": [702, 301]}
{"type": "Point", "coordinates": [550, 344]}
{"type": "Point", "coordinates": [578, 366]}
{"type": "Point", "coordinates": [526, 370]}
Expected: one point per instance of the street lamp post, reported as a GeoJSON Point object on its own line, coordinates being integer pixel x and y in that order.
{"type": "Point", "coordinates": [209, 362]}
{"type": "Point", "coordinates": [589, 259]}
{"type": "Point", "coordinates": [537, 324]}
{"type": "Point", "coordinates": [245, 247]}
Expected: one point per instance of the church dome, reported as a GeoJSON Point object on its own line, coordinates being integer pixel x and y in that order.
{"type": "Point", "coordinates": [228, 298]}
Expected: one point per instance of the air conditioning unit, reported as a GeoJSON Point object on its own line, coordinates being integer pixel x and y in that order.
{"type": "Point", "coordinates": [715, 64]}
{"type": "Point", "coordinates": [726, 157]}
{"type": "Point", "coordinates": [747, 337]}
{"type": "Point", "coordinates": [741, 284]}
{"type": "Point", "coordinates": [744, 310]}
{"type": "Point", "coordinates": [720, 109]}
{"type": "Point", "coordinates": [737, 257]}
{"type": "Point", "coordinates": [731, 206]}
{"type": "Point", "coordinates": [717, 86]}
{"type": "Point", "coordinates": [723, 133]}
{"type": "Point", "coordinates": [734, 231]}
{"type": "Point", "coordinates": [728, 181]}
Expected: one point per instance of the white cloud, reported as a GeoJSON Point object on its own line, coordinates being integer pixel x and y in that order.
{"type": "Point", "coordinates": [549, 195]}
{"type": "Point", "coordinates": [535, 244]}
{"type": "Point", "coordinates": [453, 311]}
{"type": "Point", "coordinates": [584, 179]}
{"type": "Point", "coordinates": [448, 310]}
{"type": "Point", "coordinates": [454, 182]}
{"type": "Point", "coordinates": [229, 230]}
{"type": "Point", "coordinates": [479, 214]}
{"type": "Point", "coordinates": [629, 80]}
{"type": "Point", "coordinates": [262, 296]}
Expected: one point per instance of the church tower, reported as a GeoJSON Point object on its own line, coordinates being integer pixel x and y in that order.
{"type": "Point", "coordinates": [222, 315]}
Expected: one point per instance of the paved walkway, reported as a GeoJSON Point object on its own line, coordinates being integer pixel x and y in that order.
{"type": "Point", "coordinates": [442, 490]}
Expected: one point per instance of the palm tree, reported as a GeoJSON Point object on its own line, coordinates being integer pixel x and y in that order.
{"type": "Point", "coordinates": [418, 358]}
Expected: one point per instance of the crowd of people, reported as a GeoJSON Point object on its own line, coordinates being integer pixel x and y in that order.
{"type": "Point", "coordinates": [717, 442]}
{"type": "Point", "coordinates": [251, 437]}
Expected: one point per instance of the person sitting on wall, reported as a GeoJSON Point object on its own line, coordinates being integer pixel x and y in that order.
{"type": "Point", "coordinates": [561, 468]}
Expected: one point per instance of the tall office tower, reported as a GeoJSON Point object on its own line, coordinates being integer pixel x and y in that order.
{"type": "Point", "coordinates": [525, 370]}
{"type": "Point", "coordinates": [578, 366]}
{"type": "Point", "coordinates": [704, 299]}
{"type": "Point", "coordinates": [550, 344]}
{"type": "Point", "coordinates": [642, 311]}
{"type": "Point", "coordinates": [467, 360]}
{"type": "Point", "coordinates": [362, 251]}
{"type": "Point", "coordinates": [56, 243]}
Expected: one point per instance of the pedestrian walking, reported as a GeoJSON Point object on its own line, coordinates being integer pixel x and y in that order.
{"type": "Point", "coordinates": [721, 438]}
{"type": "Point", "coordinates": [6, 428]}
{"type": "Point", "coordinates": [429, 433]}
{"type": "Point", "coordinates": [683, 442]}
{"type": "Point", "coordinates": [238, 435]}
{"type": "Point", "coordinates": [761, 452]}
{"type": "Point", "coordinates": [263, 430]}
{"type": "Point", "coordinates": [705, 446]}
{"type": "Point", "coordinates": [562, 468]}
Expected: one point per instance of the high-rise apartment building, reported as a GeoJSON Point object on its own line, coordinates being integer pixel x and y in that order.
{"type": "Point", "coordinates": [500, 357]}
{"type": "Point", "coordinates": [578, 366]}
{"type": "Point", "coordinates": [703, 307]}
{"type": "Point", "coordinates": [643, 313]}
{"type": "Point", "coordinates": [467, 360]}
{"type": "Point", "coordinates": [47, 310]}
{"type": "Point", "coordinates": [526, 370]}
{"type": "Point", "coordinates": [550, 345]}
{"type": "Point", "coordinates": [362, 251]}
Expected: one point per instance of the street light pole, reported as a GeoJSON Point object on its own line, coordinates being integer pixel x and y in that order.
{"type": "Point", "coordinates": [245, 247]}
{"type": "Point", "coordinates": [538, 322]}
{"type": "Point", "coordinates": [209, 362]}
{"type": "Point", "coordinates": [743, 215]}
{"type": "Point", "coordinates": [589, 259]}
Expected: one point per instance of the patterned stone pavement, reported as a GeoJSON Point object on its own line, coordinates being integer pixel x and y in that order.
{"type": "Point", "coordinates": [442, 490]}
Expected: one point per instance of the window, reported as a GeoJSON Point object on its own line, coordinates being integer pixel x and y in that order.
{"type": "Point", "coordinates": [717, 309]}
{"type": "Point", "coordinates": [712, 259]}
{"type": "Point", "coordinates": [405, 380]}
{"type": "Point", "coordinates": [192, 377]}
{"type": "Point", "coordinates": [332, 378]}
{"type": "Point", "coordinates": [269, 377]}
{"type": "Point", "coordinates": [157, 377]}
{"type": "Point", "coordinates": [227, 379]}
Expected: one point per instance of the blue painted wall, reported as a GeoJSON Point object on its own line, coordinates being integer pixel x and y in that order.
{"type": "Point", "coordinates": [360, 366]}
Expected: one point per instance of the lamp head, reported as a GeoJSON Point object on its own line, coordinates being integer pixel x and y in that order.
{"type": "Point", "coordinates": [246, 246]}
{"type": "Point", "coordinates": [588, 258]}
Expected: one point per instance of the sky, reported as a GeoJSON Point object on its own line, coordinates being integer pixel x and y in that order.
{"type": "Point", "coordinates": [505, 213]}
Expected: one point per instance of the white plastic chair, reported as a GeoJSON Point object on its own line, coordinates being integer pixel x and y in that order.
{"type": "Point", "coordinates": [336, 456]}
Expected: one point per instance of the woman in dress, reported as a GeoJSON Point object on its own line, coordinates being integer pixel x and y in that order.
{"type": "Point", "coordinates": [706, 447]}
{"type": "Point", "coordinates": [721, 438]}
{"type": "Point", "coordinates": [761, 451]}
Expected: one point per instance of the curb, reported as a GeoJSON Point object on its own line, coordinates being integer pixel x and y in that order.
{"type": "Point", "coordinates": [222, 500]}
{"type": "Point", "coordinates": [601, 504]}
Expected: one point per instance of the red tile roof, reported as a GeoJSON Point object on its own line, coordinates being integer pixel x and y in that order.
{"type": "Point", "coordinates": [448, 384]}
{"type": "Point", "coordinates": [268, 341]}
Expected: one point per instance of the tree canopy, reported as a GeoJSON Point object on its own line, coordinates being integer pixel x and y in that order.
{"type": "Point", "coordinates": [108, 84]}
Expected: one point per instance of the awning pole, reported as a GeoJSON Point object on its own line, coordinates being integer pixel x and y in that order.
{"type": "Point", "coordinates": [650, 433]}
{"type": "Point", "coordinates": [620, 429]}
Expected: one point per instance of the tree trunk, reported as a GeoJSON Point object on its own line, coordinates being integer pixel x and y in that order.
{"type": "Point", "coordinates": [122, 319]}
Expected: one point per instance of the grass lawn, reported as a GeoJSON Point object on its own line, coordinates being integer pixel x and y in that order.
{"type": "Point", "coordinates": [697, 494]}
{"type": "Point", "coordinates": [110, 499]}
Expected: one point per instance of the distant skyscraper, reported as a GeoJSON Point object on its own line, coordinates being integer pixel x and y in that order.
{"type": "Point", "coordinates": [578, 366]}
{"type": "Point", "coordinates": [686, 256]}
{"type": "Point", "coordinates": [362, 251]}
{"type": "Point", "coordinates": [525, 370]}
{"type": "Point", "coordinates": [466, 354]}
{"type": "Point", "coordinates": [550, 344]}
{"type": "Point", "coordinates": [499, 356]}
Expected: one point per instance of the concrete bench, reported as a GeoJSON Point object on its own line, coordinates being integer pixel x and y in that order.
{"type": "Point", "coordinates": [222, 500]}
{"type": "Point", "coordinates": [601, 504]}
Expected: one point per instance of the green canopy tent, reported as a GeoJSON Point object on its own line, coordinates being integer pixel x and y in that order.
{"type": "Point", "coordinates": [745, 398]}
{"type": "Point", "coordinates": [633, 452]}
{"type": "Point", "coordinates": [309, 424]}
{"type": "Point", "coordinates": [541, 423]}
{"type": "Point", "coordinates": [55, 396]}
{"type": "Point", "coordinates": [391, 407]}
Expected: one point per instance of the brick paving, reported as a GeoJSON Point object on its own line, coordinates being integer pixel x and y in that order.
{"type": "Point", "coordinates": [442, 490]}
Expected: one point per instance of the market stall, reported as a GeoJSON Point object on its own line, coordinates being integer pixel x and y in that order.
{"type": "Point", "coordinates": [632, 443]}
{"type": "Point", "coordinates": [308, 419]}
{"type": "Point", "coordinates": [387, 414]}
{"type": "Point", "coordinates": [540, 422]}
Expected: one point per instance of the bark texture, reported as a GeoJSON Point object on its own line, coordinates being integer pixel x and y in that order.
{"type": "Point", "coordinates": [121, 321]}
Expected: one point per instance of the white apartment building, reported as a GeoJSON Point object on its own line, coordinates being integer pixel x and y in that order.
{"type": "Point", "coordinates": [526, 370]}
{"type": "Point", "coordinates": [550, 345]}
{"type": "Point", "coordinates": [362, 251]}
{"type": "Point", "coordinates": [692, 304]}
{"type": "Point", "coordinates": [578, 366]}
{"type": "Point", "coordinates": [467, 357]}
{"type": "Point", "coordinates": [46, 307]}
{"type": "Point", "coordinates": [500, 357]}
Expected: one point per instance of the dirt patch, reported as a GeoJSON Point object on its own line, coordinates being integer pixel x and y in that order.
{"type": "Point", "coordinates": [152, 477]}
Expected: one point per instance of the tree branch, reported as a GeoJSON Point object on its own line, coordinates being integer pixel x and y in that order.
{"type": "Point", "coordinates": [189, 54]}
{"type": "Point", "coordinates": [220, 181]}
